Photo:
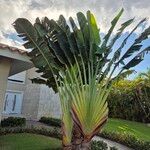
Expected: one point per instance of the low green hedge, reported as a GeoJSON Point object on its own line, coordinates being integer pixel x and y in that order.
{"type": "Point", "coordinates": [13, 122]}
{"type": "Point", "coordinates": [126, 139]}
{"type": "Point", "coordinates": [51, 121]}
{"type": "Point", "coordinates": [53, 132]}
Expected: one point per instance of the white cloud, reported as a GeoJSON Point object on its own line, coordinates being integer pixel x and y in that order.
{"type": "Point", "coordinates": [104, 11]}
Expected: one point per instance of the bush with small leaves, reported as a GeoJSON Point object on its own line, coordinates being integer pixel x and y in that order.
{"type": "Point", "coordinates": [98, 145]}
{"type": "Point", "coordinates": [128, 94]}
{"type": "Point", "coordinates": [126, 139]}
{"type": "Point", "coordinates": [13, 122]}
{"type": "Point", "coordinates": [113, 148]}
{"type": "Point", "coordinates": [52, 132]}
{"type": "Point", "coordinates": [51, 121]}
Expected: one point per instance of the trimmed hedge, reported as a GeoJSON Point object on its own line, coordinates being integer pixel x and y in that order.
{"type": "Point", "coordinates": [51, 121]}
{"type": "Point", "coordinates": [53, 132]}
{"type": "Point", "coordinates": [126, 139]}
{"type": "Point", "coordinates": [13, 122]}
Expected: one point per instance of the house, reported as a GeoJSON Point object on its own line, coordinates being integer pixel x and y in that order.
{"type": "Point", "coordinates": [19, 96]}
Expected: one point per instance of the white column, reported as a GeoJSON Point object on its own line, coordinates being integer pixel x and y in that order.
{"type": "Point", "coordinates": [4, 72]}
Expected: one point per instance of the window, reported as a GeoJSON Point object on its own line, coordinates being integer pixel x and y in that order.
{"type": "Point", "coordinates": [13, 102]}
{"type": "Point", "coordinates": [18, 78]}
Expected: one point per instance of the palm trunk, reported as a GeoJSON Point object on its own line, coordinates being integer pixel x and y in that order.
{"type": "Point", "coordinates": [67, 147]}
{"type": "Point", "coordinates": [83, 146]}
{"type": "Point", "coordinates": [78, 142]}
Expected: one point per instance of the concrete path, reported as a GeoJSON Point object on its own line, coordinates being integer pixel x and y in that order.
{"type": "Point", "coordinates": [112, 143]}
{"type": "Point", "coordinates": [30, 123]}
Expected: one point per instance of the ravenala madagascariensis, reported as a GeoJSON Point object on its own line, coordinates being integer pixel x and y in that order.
{"type": "Point", "coordinates": [77, 63]}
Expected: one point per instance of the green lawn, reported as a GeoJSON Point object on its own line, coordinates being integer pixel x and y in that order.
{"type": "Point", "coordinates": [26, 141]}
{"type": "Point", "coordinates": [139, 130]}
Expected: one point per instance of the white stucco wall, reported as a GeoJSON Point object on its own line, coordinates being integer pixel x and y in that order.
{"type": "Point", "coordinates": [31, 101]}
{"type": "Point", "coordinates": [38, 100]}
{"type": "Point", "coordinates": [5, 65]}
{"type": "Point", "coordinates": [49, 104]}
{"type": "Point", "coordinates": [31, 96]}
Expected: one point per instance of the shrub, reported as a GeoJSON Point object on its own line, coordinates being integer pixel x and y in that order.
{"type": "Point", "coordinates": [126, 139]}
{"type": "Point", "coordinates": [131, 98]}
{"type": "Point", "coordinates": [51, 121]}
{"type": "Point", "coordinates": [13, 122]}
{"type": "Point", "coordinates": [98, 145]}
{"type": "Point", "coordinates": [113, 148]}
{"type": "Point", "coordinates": [52, 132]}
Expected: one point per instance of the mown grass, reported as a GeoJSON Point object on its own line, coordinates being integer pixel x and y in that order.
{"type": "Point", "coordinates": [139, 130]}
{"type": "Point", "coordinates": [26, 141]}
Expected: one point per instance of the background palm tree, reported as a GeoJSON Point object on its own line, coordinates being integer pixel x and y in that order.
{"type": "Point", "coordinates": [145, 76]}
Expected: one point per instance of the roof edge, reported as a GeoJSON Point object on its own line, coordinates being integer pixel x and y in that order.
{"type": "Point", "coordinates": [14, 53]}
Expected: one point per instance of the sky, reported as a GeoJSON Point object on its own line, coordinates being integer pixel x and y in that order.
{"type": "Point", "coordinates": [104, 11]}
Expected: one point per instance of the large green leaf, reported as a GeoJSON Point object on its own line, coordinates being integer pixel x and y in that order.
{"type": "Point", "coordinates": [123, 44]}
{"type": "Point", "coordinates": [93, 28]}
{"type": "Point", "coordinates": [120, 31]}
{"type": "Point", "coordinates": [113, 24]}
{"type": "Point", "coordinates": [137, 59]}
{"type": "Point", "coordinates": [85, 30]}
{"type": "Point", "coordinates": [106, 50]}
{"type": "Point", "coordinates": [79, 38]}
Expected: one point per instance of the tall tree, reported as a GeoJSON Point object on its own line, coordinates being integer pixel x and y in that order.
{"type": "Point", "coordinates": [76, 62]}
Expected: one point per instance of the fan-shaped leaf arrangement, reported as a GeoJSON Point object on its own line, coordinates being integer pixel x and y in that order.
{"type": "Point", "coordinates": [75, 61]}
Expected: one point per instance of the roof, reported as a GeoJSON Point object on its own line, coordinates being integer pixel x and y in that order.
{"type": "Point", "coordinates": [13, 53]}
{"type": "Point", "coordinates": [11, 48]}
{"type": "Point", "coordinates": [20, 60]}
